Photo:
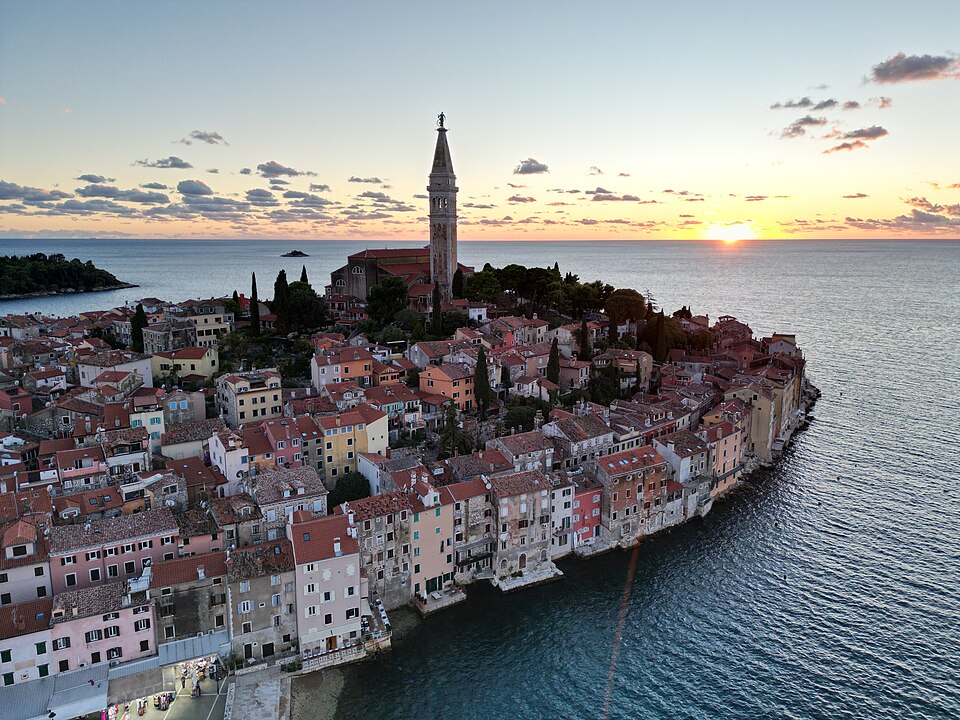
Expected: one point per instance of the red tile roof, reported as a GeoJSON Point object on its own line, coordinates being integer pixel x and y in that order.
{"type": "Point", "coordinates": [187, 570]}
{"type": "Point", "coordinates": [314, 540]}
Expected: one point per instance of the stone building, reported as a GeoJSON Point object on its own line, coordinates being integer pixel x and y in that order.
{"type": "Point", "coordinates": [191, 596]}
{"type": "Point", "coordinates": [263, 600]}
{"type": "Point", "coordinates": [521, 513]}
{"type": "Point", "coordinates": [383, 527]}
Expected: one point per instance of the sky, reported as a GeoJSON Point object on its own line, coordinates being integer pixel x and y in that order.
{"type": "Point", "coordinates": [567, 120]}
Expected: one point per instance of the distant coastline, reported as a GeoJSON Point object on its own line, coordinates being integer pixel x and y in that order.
{"type": "Point", "coordinates": [39, 275]}
{"type": "Point", "coordinates": [66, 291]}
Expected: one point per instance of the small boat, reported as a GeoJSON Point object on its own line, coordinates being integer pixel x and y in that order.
{"type": "Point", "coordinates": [295, 253]}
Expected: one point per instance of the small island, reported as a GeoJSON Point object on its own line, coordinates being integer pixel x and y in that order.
{"type": "Point", "coordinates": [39, 274]}
{"type": "Point", "coordinates": [295, 253]}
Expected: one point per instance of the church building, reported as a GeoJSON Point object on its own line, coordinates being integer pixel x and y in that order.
{"type": "Point", "coordinates": [420, 268]}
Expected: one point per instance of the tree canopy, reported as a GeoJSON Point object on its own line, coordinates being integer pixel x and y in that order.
{"type": "Point", "coordinates": [350, 486]}
{"type": "Point", "coordinates": [41, 273]}
{"type": "Point", "coordinates": [481, 382]}
{"type": "Point", "coordinates": [137, 324]}
{"type": "Point", "coordinates": [386, 299]}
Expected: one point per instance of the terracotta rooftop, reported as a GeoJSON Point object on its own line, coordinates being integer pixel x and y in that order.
{"type": "Point", "coordinates": [95, 600]}
{"type": "Point", "coordinates": [68, 538]}
{"type": "Point", "coordinates": [192, 431]}
{"type": "Point", "coordinates": [313, 541]}
{"type": "Point", "coordinates": [379, 505]}
{"type": "Point", "coordinates": [187, 570]}
{"type": "Point", "coordinates": [684, 443]}
{"type": "Point", "coordinates": [194, 522]}
{"type": "Point", "coordinates": [25, 618]}
{"type": "Point", "coordinates": [234, 509]}
{"type": "Point", "coordinates": [279, 484]}
{"type": "Point", "coordinates": [528, 481]}
{"type": "Point", "coordinates": [631, 460]}
{"type": "Point", "coordinates": [269, 558]}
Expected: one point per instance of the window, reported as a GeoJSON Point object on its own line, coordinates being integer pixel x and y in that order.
{"type": "Point", "coordinates": [95, 575]}
{"type": "Point", "coordinates": [143, 624]}
{"type": "Point", "coordinates": [112, 631]}
{"type": "Point", "coordinates": [328, 619]}
{"type": "Point", "coordinates": [71, 579]}
{"type": "Point", "coordinates": [130, 567]}
{"type": "Point", "coordinates": [144, 646]}
{"type": "Point", "coordinates": [41, 648]}
{"type": "Point", "coordinates": [61, 643]}
{"type": "Point", "coordinates": [247, 627]}
{"type": "Point", "coordinates": [114, 653]}
{"type": "Point", "coordinates": [244, 586]}
{"type": "Point", "coordinates": [245, 607]}
{"type": "Point", "coordinates": [94, 636]}
{"type": "Point", "coordinates": [169, 632]}
{"type": "Point", "coordinates": [4, 656]}
{"type": "Point", "coordinates": [113, 571]}
{"type": "Point", "coordinates": [352, 613]}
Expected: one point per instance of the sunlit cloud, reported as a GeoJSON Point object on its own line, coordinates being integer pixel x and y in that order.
{"type": "Point", "coordinates": [172, 162]}
{"type": "Point", "coordinates": [902, 68]}
{"type": "Point", "coordinates": [530, 167]}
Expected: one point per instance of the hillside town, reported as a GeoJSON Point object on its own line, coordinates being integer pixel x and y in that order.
{"type": "Point", "coordinates": [264, 482]}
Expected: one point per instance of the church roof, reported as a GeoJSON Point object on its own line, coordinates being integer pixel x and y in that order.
{"type": "Point", "coordinates": [441, 156]}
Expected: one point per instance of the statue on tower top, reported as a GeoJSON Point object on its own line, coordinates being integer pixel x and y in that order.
{"type": "Point", "coordinates": [440, 119]}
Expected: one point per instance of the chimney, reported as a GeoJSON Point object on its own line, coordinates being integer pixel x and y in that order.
{"type": "Point", "coordinates": [201, 572]}
{"type": "Point", "coordinates": [336, 547]}
{"type": "Point", "coordinates": [350, 517]}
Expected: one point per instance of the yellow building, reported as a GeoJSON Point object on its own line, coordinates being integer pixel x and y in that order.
{"type": "Point", "coordinates": [192, 364]}
{"type": "Point", "coordinates": [249, 397]}
{"type": "Point", "coordinates": [363, 429]}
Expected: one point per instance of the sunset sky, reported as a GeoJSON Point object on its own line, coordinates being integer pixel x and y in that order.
{"type": "Point", "coordinates": [602, 120]}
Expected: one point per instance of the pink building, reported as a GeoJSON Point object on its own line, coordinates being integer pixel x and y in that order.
{"type": "Point", "coordinates": [284, 437]}
{"type": "Point", "coordinates": [104, 551]}
{"type": "Point", "coordinates": [330, 589]}
{"type": "Point", "coordinates": [587, 505]}
{"type": "Point", "coordinates": [109, 623]}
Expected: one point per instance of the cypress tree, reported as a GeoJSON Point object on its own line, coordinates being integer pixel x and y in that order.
{"type": "Point", "coordinates": [236, 298]}
{"type": "Point", "coordinates": [137, 324]}
{"type": "Point", "coordinates": [436, 317]}
{"type": "Point", "coordinates": [303, 275]}
{"type": "Point", "coordinates": [481, 383]}
{"type": "Point", "coordinates": [281, 290]}
{"type": "Point", "coordinates": [553, 364]}
{"type": "Point", "coordinates": [661, 349]}
{"type": "Point", "coordinates": [639, 377]}
{"type": "Point", "coordinates": [254, 307]}
{"type": "Point", "coordinates": [586, 351]}
{"type": "Point", "coordinates": [457, 285]}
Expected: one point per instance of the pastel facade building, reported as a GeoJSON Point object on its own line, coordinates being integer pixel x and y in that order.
{"type": "Point", "coordinates": [24, 563]}
{"type": "Point", "coordinates": [249, 397]}
{"type": "Point", "coordinates": [521, 514]}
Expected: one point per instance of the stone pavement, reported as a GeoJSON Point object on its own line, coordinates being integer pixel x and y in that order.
{"type": "Point", "coordinates": [258, 695]}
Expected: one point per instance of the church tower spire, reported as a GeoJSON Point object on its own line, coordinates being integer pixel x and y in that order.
{"type": "Point", "coordinates": [442, 191]}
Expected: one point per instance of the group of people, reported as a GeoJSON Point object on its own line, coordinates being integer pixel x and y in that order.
{"type": "Point", "coordinates": [195, 672]}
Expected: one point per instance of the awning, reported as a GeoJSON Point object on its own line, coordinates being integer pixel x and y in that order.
{"type": "Point", "coordinates": [68, 694]}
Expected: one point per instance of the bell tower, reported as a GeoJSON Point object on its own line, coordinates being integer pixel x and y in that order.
{"type": "Point", "coordinates": [443, 215]}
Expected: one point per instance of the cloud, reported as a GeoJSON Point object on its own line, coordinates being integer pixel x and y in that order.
{"type": "Point", "coordinates": [419, 196]}
{"type": "Point", "coordinates": [210, 138]}
{"type": "Point", "coordinates": [479, 206]}
{"type": "Point", "coordinates": [561, 190]}
{"type": "Point", "coordinates": [802, 103]}
{"type": "Point", "coordinates": [29, 195]}
{"type": "Point", "coordinates": [172, 162]}
{"type": "Point", "coordinates": [623, 174]}
{"type": "Point", "coordinates": [313, 201]}
{"type": "Point", "coordinates": [881, 102]}
{"type": "Point", "coordinates": [95, 179]}
{"type": "Point", "coordinates": [193, 187]}
{"type": "Point", "coordinates": [273, 169]}
{"type": "Point", "coordinates": [799, 127]}
{"type": "Point", "coordinates": [826, 104]}
{"type": "Point", "coordinates": [682, 193]}
{"type": "Point", "coordinates": [319, 187]}
{"type": "Point", "coordinates": [89, 207]}
{"type": "Point", "coordinates": [610, 197]}
{"type": "Point", "coordinates": [530, 167]}
{"type": "Point", "coordinates": [851, 105]}
{"type": "Point", "coordinates": [261, 198]}
{"type": "Point", "coordinates": [856, 144]}
{"type": "Point", "coordinates": [520, 199]}
{"type": "Point", "coordinates": [154, 186]}
{"type": "Point", "coordinates": [588, 221]}
{"type": "Point", "coordinates": [599, 191]}
{"type": "Point", "coordinates": [516, 187]}
{"type": "Point", "coordinates": [370, 180]}
{"type": "Point", "coordinates": [594, 170]}
{"type": "Point", "coordinates": [871, 133]}
{"type": "Point", "coordinates": [909, 68]}
{"type": "Point", "coordinates": [114, 193]}
{"type": "Point", "coordinates": [213, 171]}
{"type": "Point", "coordinates": [246, 171]}
{"type": "Point", "coordinates": [923, 204]}
{"type": "Point", "coordinates": [855, 196]}
{"type": "Point", "coordinates": [755, 198]}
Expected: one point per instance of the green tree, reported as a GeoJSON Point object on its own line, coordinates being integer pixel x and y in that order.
{"type": "Point", "coordinates": [413, 378]}
{"type": "Point", "coordinates": [482, 287]}
{"type": "Point", "coordinates": [520, 417]}
{"type": "Point", "coordinates": [254, 307]}
{"type": "Point", "coordinates": [137, 324]}
{"type": "Point", "coordinates": [481, 383]}
{"type": "Point", "coordinates": [451, 321]}
{"type": "Point", "coordinates": [605, 385]}
{"type": "Point", "coordinates": [350, 486]}
{"type": "Point", "coordinates": [436, 316]}
{"type": "Point", "coordinates": [304, 308]}
{"type": "Point", "coordinates": [457, 285]}
{"type": "Point", "coordinates": [391, 334]}
{"type": "Point", "coordinates": [303, 275]}
{"type": "Point", "coordinates": [453, 440]}
{"type": "Point", "coordinates": [553, 363]}
{"type": "Point", "coordinates": [660, 349]}
{"type": "Point", "coordinates": [624, 304]}
{"type": "Point", "coordinates": [281, 290]}
{"type": "Point", "coordinates": [586, 351]}
{"type": "Point", "coordinates": [386, 299]}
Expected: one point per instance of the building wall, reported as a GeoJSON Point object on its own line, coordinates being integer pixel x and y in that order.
{"type": "Point", "coordinates": [150, 548]}
{"type": "Point", "coordinates": [515, 543]}
{"type": "Point", "coordinates": [272, 628]}
{"type": "Point", "coordinates": [431, 542]}
{"type": "Point", "coordinates": [128, 641]}
{"type": "Point", "coordinates": [25, 662]}
{"type": "Point", "coordinates": [323, 625]}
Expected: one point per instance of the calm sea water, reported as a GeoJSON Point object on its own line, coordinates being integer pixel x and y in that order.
{"type": "Point", "coordinates": [827, 588]}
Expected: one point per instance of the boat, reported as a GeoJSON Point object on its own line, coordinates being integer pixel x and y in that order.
{"type": "Point", "coordinates": [295, 253]}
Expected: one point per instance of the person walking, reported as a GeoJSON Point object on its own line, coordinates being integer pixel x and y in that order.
{"type": "Point", "coordinates": [183, 682]}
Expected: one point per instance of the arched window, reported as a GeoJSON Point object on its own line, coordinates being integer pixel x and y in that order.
{"type": "Point", "coordinates": [523, 561]}
{"type": "Point", "coordinates": [357, 270]}
{"type": "Point", "coordinates": [503, 564]}
{"type": "Point", "coordinates": [341, 282]}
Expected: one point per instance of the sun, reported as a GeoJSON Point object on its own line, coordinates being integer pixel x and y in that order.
{"type": "Point", "coordinates": [731, 232]}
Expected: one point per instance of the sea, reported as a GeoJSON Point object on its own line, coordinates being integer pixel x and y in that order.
{"type": "Point", "coordinates": [827, 587]}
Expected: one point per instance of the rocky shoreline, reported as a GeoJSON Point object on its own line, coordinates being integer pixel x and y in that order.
{"type": "Point", "coordinates": [66, 291]}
